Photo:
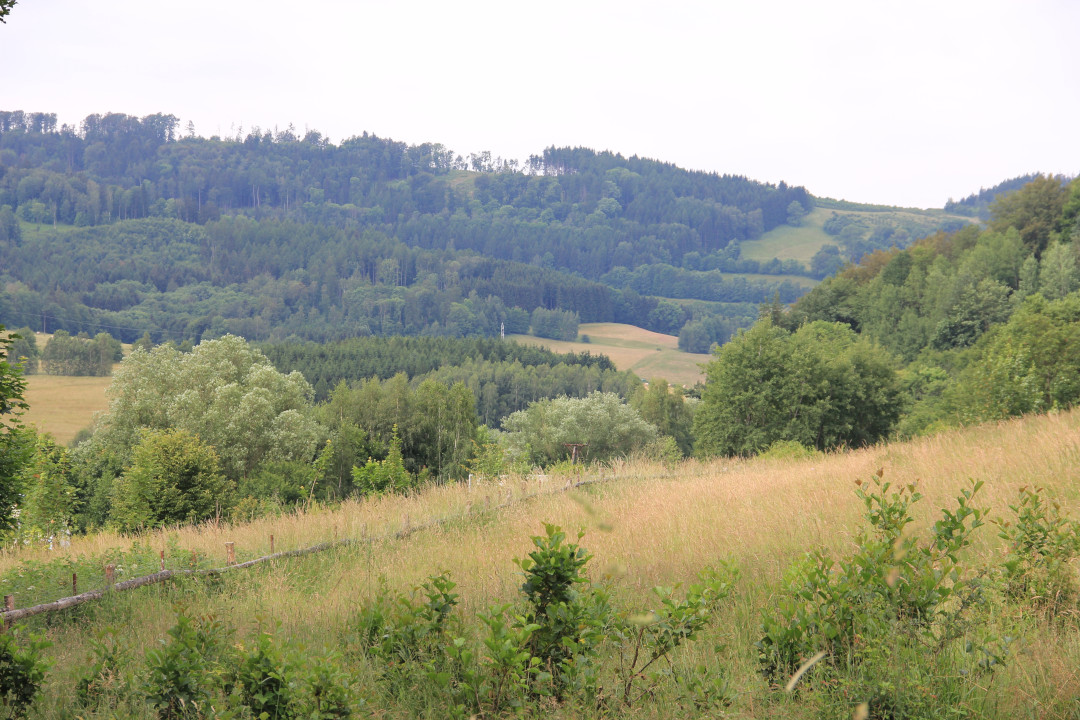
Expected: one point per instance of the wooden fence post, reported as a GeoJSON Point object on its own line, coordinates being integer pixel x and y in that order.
{"type": "Point", "coordinates": [110, 575]}
{"type": "Point", "coordinates": [271, 544]}
{"type": "Point", "coordinates": [9, 604]}
{"type": "Point", "coordinates": [163, 560]}
{"type": "Point", "coordinates": [230, 551]}
{"type": "Point", "coordinates": [74, 584]}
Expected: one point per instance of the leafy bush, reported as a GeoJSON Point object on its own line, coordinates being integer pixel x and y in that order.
{"type": "Point", "coordinates": [174, 478]}
{"type": "Point", "coordinates": [788, 450]}
{"type": "Point", "coordinates": [409, 628]}
{"type": "Point", "coordinates": [553, 572]}
{"type": "Point", "coordinates": [608, 427]}
{"type": "Point", "coordinates": [882, 620]}
{"type": "Point", "coordinates": [645, 639]}
{"type": "Point", "coordinates": [550, 649]}
{"type": "Point", "coordinates": [185, 673]}
{"type": "Point", "coordinates": [22, 670]}
{"type": "Point", "coordinates": [1043, 542]}
{"type": "Point", "coordinates": [107, 679]}
{"type": "Point", "coordinates": [328, 690]}
{"type": "Point", "coordinates": [264, 679]}
{"type": "Point", "coordinates": [378, 477]}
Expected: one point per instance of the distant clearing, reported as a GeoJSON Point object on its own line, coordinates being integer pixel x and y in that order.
{"type": "Point", "coordinates": [791, 243]}
{"type": "Point", "coordinates": [63, 405]}
{"type": "Point", "coordinates": [648, 354]}
{"type": "Point", "coordinates": [801, 243]}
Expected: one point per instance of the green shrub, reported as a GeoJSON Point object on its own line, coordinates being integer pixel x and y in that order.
{"type": "Point", "coordinates": [645, 639]}
{"type": "Point", "coordinates": [1042, 544]}
{"type": "Point", "coordinates": [174, 478]}
{"type": "Point", "coordinates": [409, 634]}
{"type": "Point", "coordinates": [22, 670]}
{"type": "Point", "coordinates": [328, 690]}
{"type": "Point", "coordinates": [185, 673]}
{"type": "Point", "coordinates": [549, 651]}
{"type": "Point", "coordinates": [883, 620]}
{"type": "Point", "coordinates": [264, 679]}
{"type": "Point", "coordinates": [565, 622]}
{"type": "Point", "coordinates": [378, 477]}
{"type": "Point", "coordinates": [788, 450]}
{"type": "Point", "coordinates": [108, 678]}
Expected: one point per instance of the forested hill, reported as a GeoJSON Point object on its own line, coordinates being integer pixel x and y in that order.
{"type": "Point", "coordinates": [978, 204]}
{"type": "Point", "coordinates": [122, 224]}
{"type": "Point", "coordinates": [985, 322]}
{"type": "Point", "coordinates": [569, 208]}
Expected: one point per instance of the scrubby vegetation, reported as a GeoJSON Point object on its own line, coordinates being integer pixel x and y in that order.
{"type": "Point", "coordinates": [917, 612]}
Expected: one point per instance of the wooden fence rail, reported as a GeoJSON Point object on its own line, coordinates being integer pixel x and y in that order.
{"type": "Point", "coordinates": [11, 614]}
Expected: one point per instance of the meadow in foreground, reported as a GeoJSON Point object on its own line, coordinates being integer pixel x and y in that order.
{"type": "Point", "coordinates": [985, 641]}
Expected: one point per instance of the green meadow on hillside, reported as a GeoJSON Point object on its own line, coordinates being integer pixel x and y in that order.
{"type": "Point", "coordinates": [787, 242]}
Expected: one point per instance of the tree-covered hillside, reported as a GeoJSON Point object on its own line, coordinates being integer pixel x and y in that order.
{"type": "Point", "coordinates": [125, 223]}
{"type": "Point", "coordinates": [570, 208]}
{"type": "Point", "coordinates": [983, 321]}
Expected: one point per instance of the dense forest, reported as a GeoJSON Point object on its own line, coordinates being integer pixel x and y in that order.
{"type": "Point", "coordinates": [983, 323]}
{"type": "Point", "coordinates": [126, 225]}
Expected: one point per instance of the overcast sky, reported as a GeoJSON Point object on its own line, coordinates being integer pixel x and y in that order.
{"type": "Point", "coordinates": [905, 103]}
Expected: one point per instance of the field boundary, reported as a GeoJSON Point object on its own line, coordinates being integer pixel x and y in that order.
{"type": "Point", "coordinates": [11, 614]}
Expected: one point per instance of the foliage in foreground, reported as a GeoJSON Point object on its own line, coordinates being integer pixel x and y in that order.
{"type": "Point", "coordinates": [558, 644]}
{"type": "Point", "coordinates": [903, 626]}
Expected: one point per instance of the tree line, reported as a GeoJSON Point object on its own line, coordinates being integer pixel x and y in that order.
{"type": "Point", "coordinates": [270, 279]}
{"type": "Point", "coordinates": [217, 430]}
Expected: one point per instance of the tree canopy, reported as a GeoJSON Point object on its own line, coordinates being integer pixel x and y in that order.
{"type": "Point", "coordinates": [224, 391]}
{"type": "Point", "coordinates": [821, 386]}
{"type": "Point", "coordinates": [601, 423]}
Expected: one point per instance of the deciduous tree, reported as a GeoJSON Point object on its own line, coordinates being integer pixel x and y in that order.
{"type": "Point", "coordinates": [601, 422]}
{"type": "Point", "coordinates": [174, 478]}
{"type": "Point", "coordinates": [224, 391]}
{"type": "Point", "coordinates": [821, 386]}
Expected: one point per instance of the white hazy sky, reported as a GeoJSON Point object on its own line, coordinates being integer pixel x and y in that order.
{"type": "Point", "coordinates": [905, 103]}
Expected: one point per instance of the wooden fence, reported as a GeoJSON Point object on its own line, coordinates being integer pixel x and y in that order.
{"type": "Point", "coordinates": [10, 613]}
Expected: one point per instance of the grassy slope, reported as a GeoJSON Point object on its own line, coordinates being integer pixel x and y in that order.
{"type": "Point", "coordinates": [647, 353]}
{"type": "Point", "coordinates": [791, 243]}
{"type": "Point", "coordinates": [800, 243]}
{"type": "Point", "coordinates": [664, 527]}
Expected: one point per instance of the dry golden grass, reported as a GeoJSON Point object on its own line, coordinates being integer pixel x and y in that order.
{"type": "Point", "coordinates": [649, 354]}
{"type": "Point", "coordinates": [665, 523]}
{"type": "Point", "coordinates": [646, 525]}
{"type": "Point", "coordinates": [63, 405]}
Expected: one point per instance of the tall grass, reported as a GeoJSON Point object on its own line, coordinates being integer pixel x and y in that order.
{"type": "Point", "coordinates": [647, 525]}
